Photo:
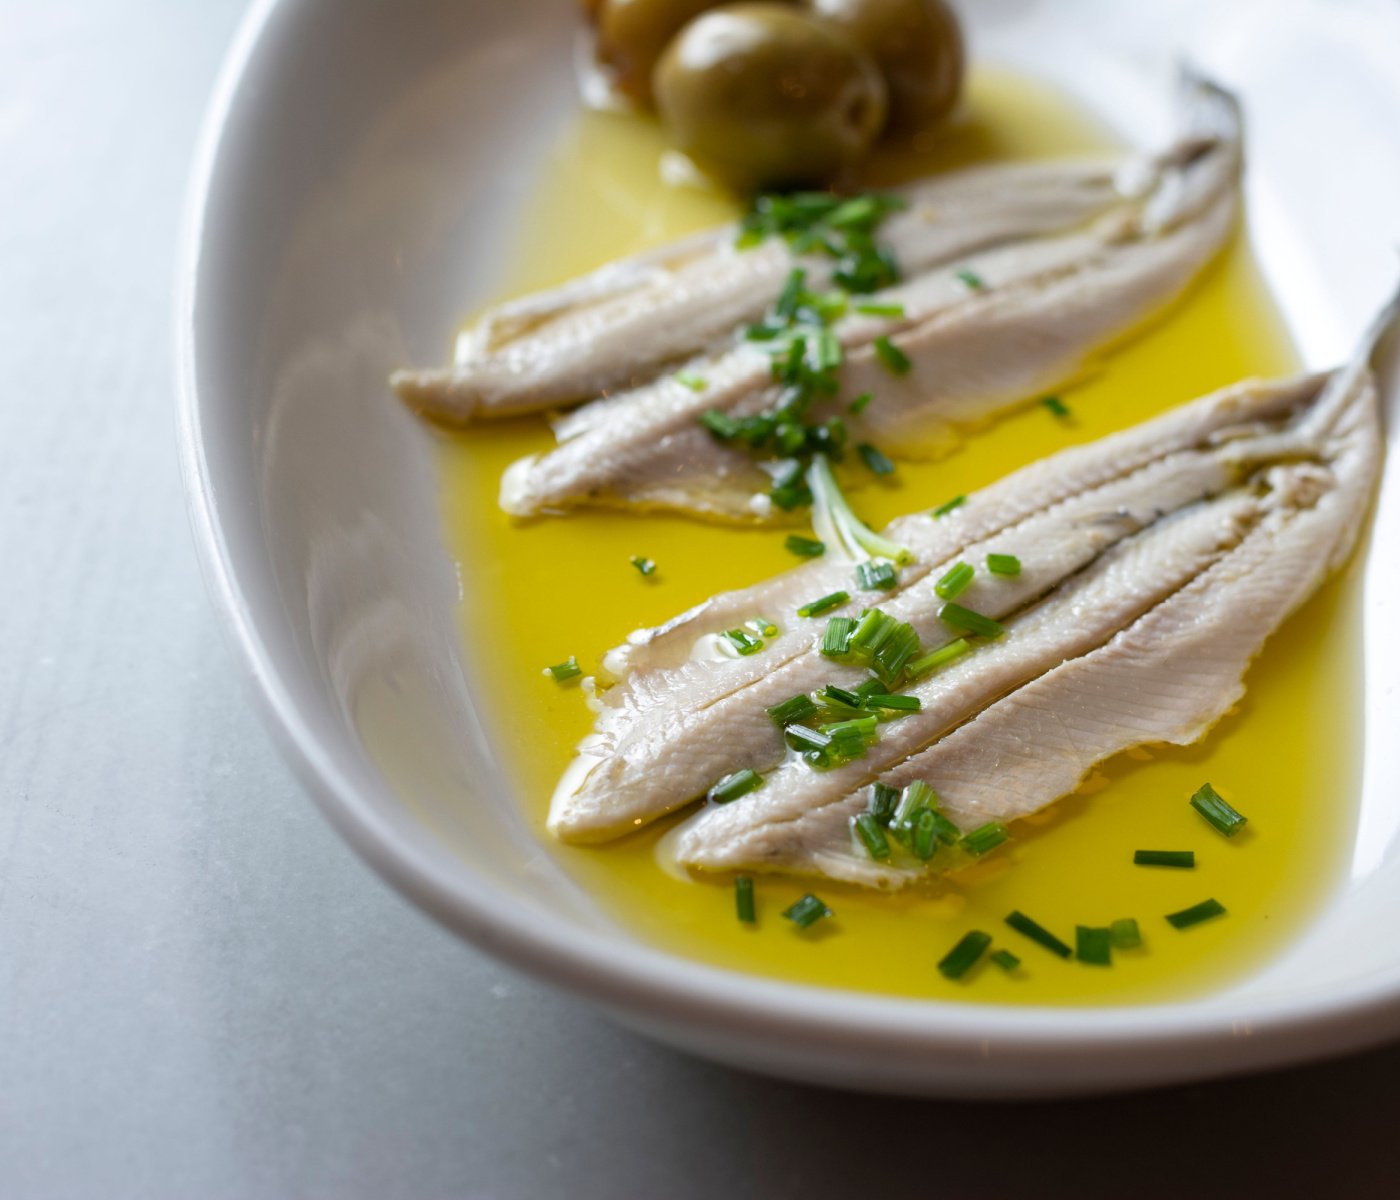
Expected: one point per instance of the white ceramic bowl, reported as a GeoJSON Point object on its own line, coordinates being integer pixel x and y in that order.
{"type": "Point", "coordinates": [359, 164]}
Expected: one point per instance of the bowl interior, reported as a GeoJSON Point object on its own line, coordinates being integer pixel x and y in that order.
{"type": "Point", "coordinates": [361, 163]}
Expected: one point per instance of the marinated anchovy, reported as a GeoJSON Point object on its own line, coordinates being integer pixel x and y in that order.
{"type": "Point", "coordinates": [1153, 565]}
{"type": "Point", "coordinates": [940, 351]}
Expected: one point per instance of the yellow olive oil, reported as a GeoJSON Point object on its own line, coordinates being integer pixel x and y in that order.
{"type": "Point", "coordinates": [551, 588]}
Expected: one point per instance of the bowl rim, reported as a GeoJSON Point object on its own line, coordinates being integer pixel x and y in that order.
{"type": "Point", "coordinates": [648, 983]}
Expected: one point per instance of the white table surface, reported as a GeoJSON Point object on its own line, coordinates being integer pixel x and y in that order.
{"type": "Point", "coordinates": [202, 992]}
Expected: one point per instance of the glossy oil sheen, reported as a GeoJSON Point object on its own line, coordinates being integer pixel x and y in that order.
{"type": "Point", "coordinates": [535, 593]}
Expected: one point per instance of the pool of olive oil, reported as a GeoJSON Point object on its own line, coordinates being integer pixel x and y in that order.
{"type": "Point", "coordinates": [1286, 757]}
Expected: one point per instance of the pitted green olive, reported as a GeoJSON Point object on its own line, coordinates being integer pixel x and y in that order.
{"type": "Point", "coordinates": [633, 33]}
{"type": "Point", "coordinates": [916, 44]}
{"type": "Point", "coordinates": [763, 95]}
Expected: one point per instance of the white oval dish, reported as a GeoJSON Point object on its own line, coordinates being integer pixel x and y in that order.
{"type": "Point", "coordinates": [358, 165]}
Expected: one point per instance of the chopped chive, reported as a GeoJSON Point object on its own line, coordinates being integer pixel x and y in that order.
{"type": "Point", "coordinates": [881, 310]}
{"type": "Point", "coordinates": [872, 836]}
{"type": "Point", "coordinates": [923, 836]}
{"type": "Point", "coordinates": [731, 787]}
{"type": "Point", "coordinates": [842, 696]}
{"type": "Point", "coordinates": [970, 280]}
{"type": "Point", "coordinates": [1164, 858]}
{"type": "Point", "coordinates": [815, 608]}
{"type": "Point", "coordinates": [955, 580]}
{"type": "Point", "coordinates": [895, 361]}
{"type": "Point", "coordinates": [916, 797]}
{"type": "Point", "coordinates": [743, 641]}
{"type": "Point", "coordinates": [793, 710]}
{"type": "Point", "coordinates": [1124, 934]}
{"type": "Point", "coordinates": [761, 627]}
{"type": "Point", "coordinates": [1194, 915]}
{"type": "Point", "coordinates": [1003, 564]}
{"type": "Point", "coordinates": [804, 547]}
{"type": "Point", "coordinates": [804, 737]}
{"type": "Point", "coordinates": [807, 911]}
{"type": "Point", "coordinates": [1093, 945]}
{"type": "Point", "coordinates": [858, 405]}
{"type": "Point", "coordinates": [985, 838]}
{"type": "Point", "coordinates": [862, 726]}
{"type": "Point", "coordinates": [1007, 961]}
{"type": "Point", "coordinates": [696, 383]}
{"type": "Point", "coordinates": [720, 423]}
{"type": "Point", "coordinates": [883, 799]}
{"type": "Point", "coordinates": [836, 641]}
{"type": "Point", "coordinates": [974, 622]}
{"type": "Point", "coordinates": [564, 671]}
{"type": "Point", "coordinates": [743, 899]}
{"type": "Point", "coordinates": [1057, 406]}
{"type": "Point", "coordinates": [1022, 924]}
{"type": "Point", "coordinates": [644, 565]}
{"type": "Point", "coordinates": [948, 505]}
{"type": "Point", "coordinates": [871, 687]}
{"type": "Point", "coordinates": [962, 957]}
{"type": "Point", "coordinates": [873, 459]}
{"type": "Point", "coordinates": [875, 576]}
{"type": "Point", "coordinates": [894, 703]}
{"type": "Point", "coordinates": [939, 658]}
{"type": "Point", "coordinates": [829, 352]}
{"type": "Point", "coordinates": [1221, 816]}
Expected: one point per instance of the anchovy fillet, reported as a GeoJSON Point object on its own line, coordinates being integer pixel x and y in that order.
{"type": "Point", "coordinates": [1155, 563]}
{"type": "Point", "coordinates": [1046, 302]}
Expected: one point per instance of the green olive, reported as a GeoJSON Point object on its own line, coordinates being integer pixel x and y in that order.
{"type": "Point", "coordinates": [916, 44]}
{"type": "Point", "coordinates": [633, 33]}
{"type": "Point", "coordinates": [765, 95]}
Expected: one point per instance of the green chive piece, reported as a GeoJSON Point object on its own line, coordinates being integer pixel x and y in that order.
{"type": "Point", "coordinates": [915, 798]}
{"type": "Point", "coordinates": [873, 837]}
{"type": "Point", "coordinates": [836, 641]}
{"type": "Point", "coordinates": [875, 576]}
{"type": "Point", "coordinates": [696, 383]}
{"type": "Point", "coordinates": [861, 726]}
{"type": "Point", "coordinates": [804, 737]}
{"type": "Point", "coordinates": [804, 547]}
{"type": "Point", "coordinates": [895, 361]}
{"type": "Point", "coordinates": [761, 627]}
{"type": "Point", "coordinates": [923, 836]}
{"type": "Point", "coordinates": [881, 310]}
{"type": "Point", "coordinates": [1007, 961]}
{"type": "Point", "coordinates": [970, 280]}
{"type": "Point", "coordinates": [743, 899]}
{"type": "Point", "coordinates": [807, 911]}
{"type": "Point", "coordinates": [815, 608]}
{"type": "Point", "coordinates": [1092, 945]}
{"type": "Point", "coordinates": [973, 622]}
{"type": "Point", "coordinates": [894, 703]}
{"type": "Point", "coordinates": [871, 687]}
{"type": "Point", "coordinates": [793, 710]}
{"type": "Point", "coordinates": [858, 405]}
{"type": "Point", "coordinates": [841, 696]}
{"type": "Point", "coordinates": [1194, 915]}
{"type": "Point", "coordinates": [939, 658]}
{"type": "Point", "coordinates": [564, 671]}
{"type": "Point", "coordinates": [883, 799]}
{"type": "Point", "coordinates": [1221, 816]}
{"type": "Point", "coordinates": [731, 787]}
{"type": "Point", "coordinates": [720, 423]}
{"type": "Point", "coordinates": [1124, 934]}
{"type": "Point", "coordinates": [955, 580]}
{"type": "Point", "coordinates": [1022, 924]}
{"type": "Point", "coordinates": [743, 641]}
{"type": "Point", "coordinates": [1164, 858]}
{"type": "Point", "coordinates": [963, 957]}
{"type": "Point", "coordinates": [644, 565]}
{"type": "Point", "coordinates": [1057, 406]}
{"type": "Point", "coordinates": [1003, 564]}
{"type": "Point", "coordinates": [985, 838]}
{"type": "Point", "coordinates": [948, 506]}
{"type": "Point", "coordinates": [873, 459]}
